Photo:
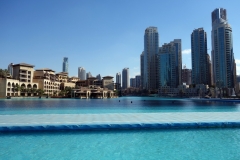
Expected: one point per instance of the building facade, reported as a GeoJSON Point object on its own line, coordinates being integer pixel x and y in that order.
{"type": "Point", "coordinates": [151, 45]}
{"type": "Point", "coordinates": [142, 69]}
{"type": "Point", "coordinates": [200, 61]}
{"type": "Point", "coordinates": [99, 77]}
{"type": "Point", "coordinates": [47, 81]}
{"type": "Point", "coordinates": [82, 73]}
{"type": "Point", "coordinates": [65, 64]}
{"type": "Point", "coordinates": [178, 56]}
{"type": "Point", "coordinates": [88, 75]}
{"type": "Point", "coordinates": [222, 50]}
{"type": "Point", "coordinates": [186, 75]}
{"type": "Point", "coordinates": [118, 80]}
{"type": "Point", "coordinates": [169, 64]}
{"type": "Point", "coordinates": [138, 81]}
{"type": "Point", "coordinates": [125, 78]}
{"type": "Point", "coordinates": [10, 69]}
{"type": "Point", "coordinates": [132, 82]}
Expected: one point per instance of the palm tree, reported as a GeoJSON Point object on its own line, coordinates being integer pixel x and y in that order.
{"type": "Point", "coordinates": [33, 90]}
{"type": "Point", "coordinates": [3, 73]}
{"type": "Point", "coordinates": [22, 89]}
{"type": "Point", "coordinates": [40, 92]}
{"type": "Point", "coordinates": [16, 88]}
{"type": "Point", "coordinates": [68, 91]}
{"type": "Point", "coordinates": [28, 90]}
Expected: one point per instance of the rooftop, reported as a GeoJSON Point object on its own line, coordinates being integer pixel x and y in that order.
{"type": "Point", "coordinates": [24, 64]}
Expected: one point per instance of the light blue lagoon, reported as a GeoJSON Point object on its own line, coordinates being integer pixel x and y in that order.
{"type": "Point", "coordinates": [201, 143]}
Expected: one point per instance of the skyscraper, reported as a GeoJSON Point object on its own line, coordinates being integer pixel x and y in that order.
{"type": "Point", "coordinates": [65, 64]}
{"type": "Point", "coordinates": [132, 82]}
{"type": "Point", "coordinates": [10, 69]}
{"type": "Point", "coordinates": [151, 45]}
{"type": "Point", "coordinates": [186, 75]}
{"type": "Point", "coordinates": [81, 73]}
{"type": "Point", "coordinates": [170, 60]}
{"type": "Point", "coordinates": [178, 56]}
{"type": "Point", "coordinates": [118, 79]}
{"type": "Point", "coordinates": [200, 58]}
{"type": "Point", "coordinates": [222, 50]}
{"type": "Point", "coordinates": [88, 75]}
{"type": "Point", "coordinates": [138, 81]}
{"type": "Point", "coordinates": [99, 77]}
{"type": "Point", "coordinates": [125, 78]}
{"type": "Point", "coordinates": [142, 69]}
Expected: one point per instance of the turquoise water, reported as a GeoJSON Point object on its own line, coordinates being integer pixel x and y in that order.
{"type": "Point", "coordinates": [199, 144]}
{"type": "Point", "coordinates": [138, 105]}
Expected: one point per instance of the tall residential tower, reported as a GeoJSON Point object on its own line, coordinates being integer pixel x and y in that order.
{"type": "Point", "coordinates": [200, 58]}
{"type": "Point", "coordinates": [170, 64]}
{"type": "Point", "coordinates": [81, 73]}
{"type": "Point", "coordinates": [125, 78]}
{"type": "Point", "coordinates": [223, 63]}
{"type": "Point", "coordinates": [150, 72]}
{"type": "Point", "coordinates": [65, 64]}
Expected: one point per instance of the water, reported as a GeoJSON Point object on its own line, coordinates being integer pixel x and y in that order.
{"type": "Point", "coordinates": [220, 143]}
{"type": "Point", "coordinates": [198, 144]}
{"type": "Point", "coordinates": [138, 105]}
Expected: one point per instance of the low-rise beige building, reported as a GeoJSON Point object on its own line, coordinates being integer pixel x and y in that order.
{"type": "Point", "coordinates": [92, 91]}
{"type": "Point", "coordinates": [62, 77]}
{"type": "Point", "coordinates": [22, 77]}
{"type": "Point", "coordinates": [47, 81]}
{"type": "Point", "coordinates": [107, 82]}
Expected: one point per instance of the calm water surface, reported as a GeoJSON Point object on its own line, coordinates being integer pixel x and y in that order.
{"type": "Point", "coordinates": [199, 144]}
{"type": "Point", "coordinates": [138, 105]}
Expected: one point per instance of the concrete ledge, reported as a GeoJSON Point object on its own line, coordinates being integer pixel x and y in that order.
{"type": "Point", "coordinates": [121, 126]}
{"type": "Point", "coordinates": [48, 122]}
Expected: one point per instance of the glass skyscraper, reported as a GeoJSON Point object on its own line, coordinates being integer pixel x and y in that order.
{"type": "Point", "coordinates": [150, 72]}
{"type": "Point", "coordinates": [167, 69]}
{"type": "Point", "coordinates": [170, 64]}
{"type": "Point", "coordinates": [223, 63]}
{"type": "Point", "coordinates": [118, 79]}
{"type": "Point", "coordinates": [125, 78]}
{"type": "Point", "coordinates": [200, 60]}
{"type": "Point", "coordinates": [142, 70]}
{"type": "Point", "coordinates": [65, 64]}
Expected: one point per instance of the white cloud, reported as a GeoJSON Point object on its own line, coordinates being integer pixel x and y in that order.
{"type": "Point", "coordinates": [237, 61]}
{"type": "Point", "coordinates": [186, 51]}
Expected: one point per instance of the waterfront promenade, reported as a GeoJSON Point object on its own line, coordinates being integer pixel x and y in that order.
{"type": "Point", "coordinates": [41, 122]}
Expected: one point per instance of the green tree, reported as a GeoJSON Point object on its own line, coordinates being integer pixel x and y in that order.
{"type": "Point", "coordinates": [4, 73]}
{"type": "Point", "coordinates": [33, 90]}
{"type": "Point", "coordinates": [68, 91]}
{"type": "Point", "coordinates": [40, 92]}
{"type": "Point", "coordinates": [16, 88]}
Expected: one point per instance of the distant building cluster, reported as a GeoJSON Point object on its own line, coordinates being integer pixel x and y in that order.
{"type": "Point", "coordinates": [23, 80]}
{"type": "Point", "coordinates": [161, 68]}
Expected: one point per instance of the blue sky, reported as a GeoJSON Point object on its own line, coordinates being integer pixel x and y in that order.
{"type": "Point", "coordinates": [103, 36]}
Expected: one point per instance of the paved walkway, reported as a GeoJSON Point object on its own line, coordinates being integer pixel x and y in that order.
{"type": "Point", "coordinates": [118, 121]}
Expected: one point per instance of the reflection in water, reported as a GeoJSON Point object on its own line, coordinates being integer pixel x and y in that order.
{"type": "Point", "coordinates": [118, 105]}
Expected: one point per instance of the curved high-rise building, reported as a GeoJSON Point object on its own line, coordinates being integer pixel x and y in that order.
{"type": "Point", "coordinates": [65, 64]}
{"type": "Point", "coordinates": [223, 63]}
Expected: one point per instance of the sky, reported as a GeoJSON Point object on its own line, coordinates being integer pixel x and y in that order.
{"type": "Point", "coordinates": [103, 36]}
